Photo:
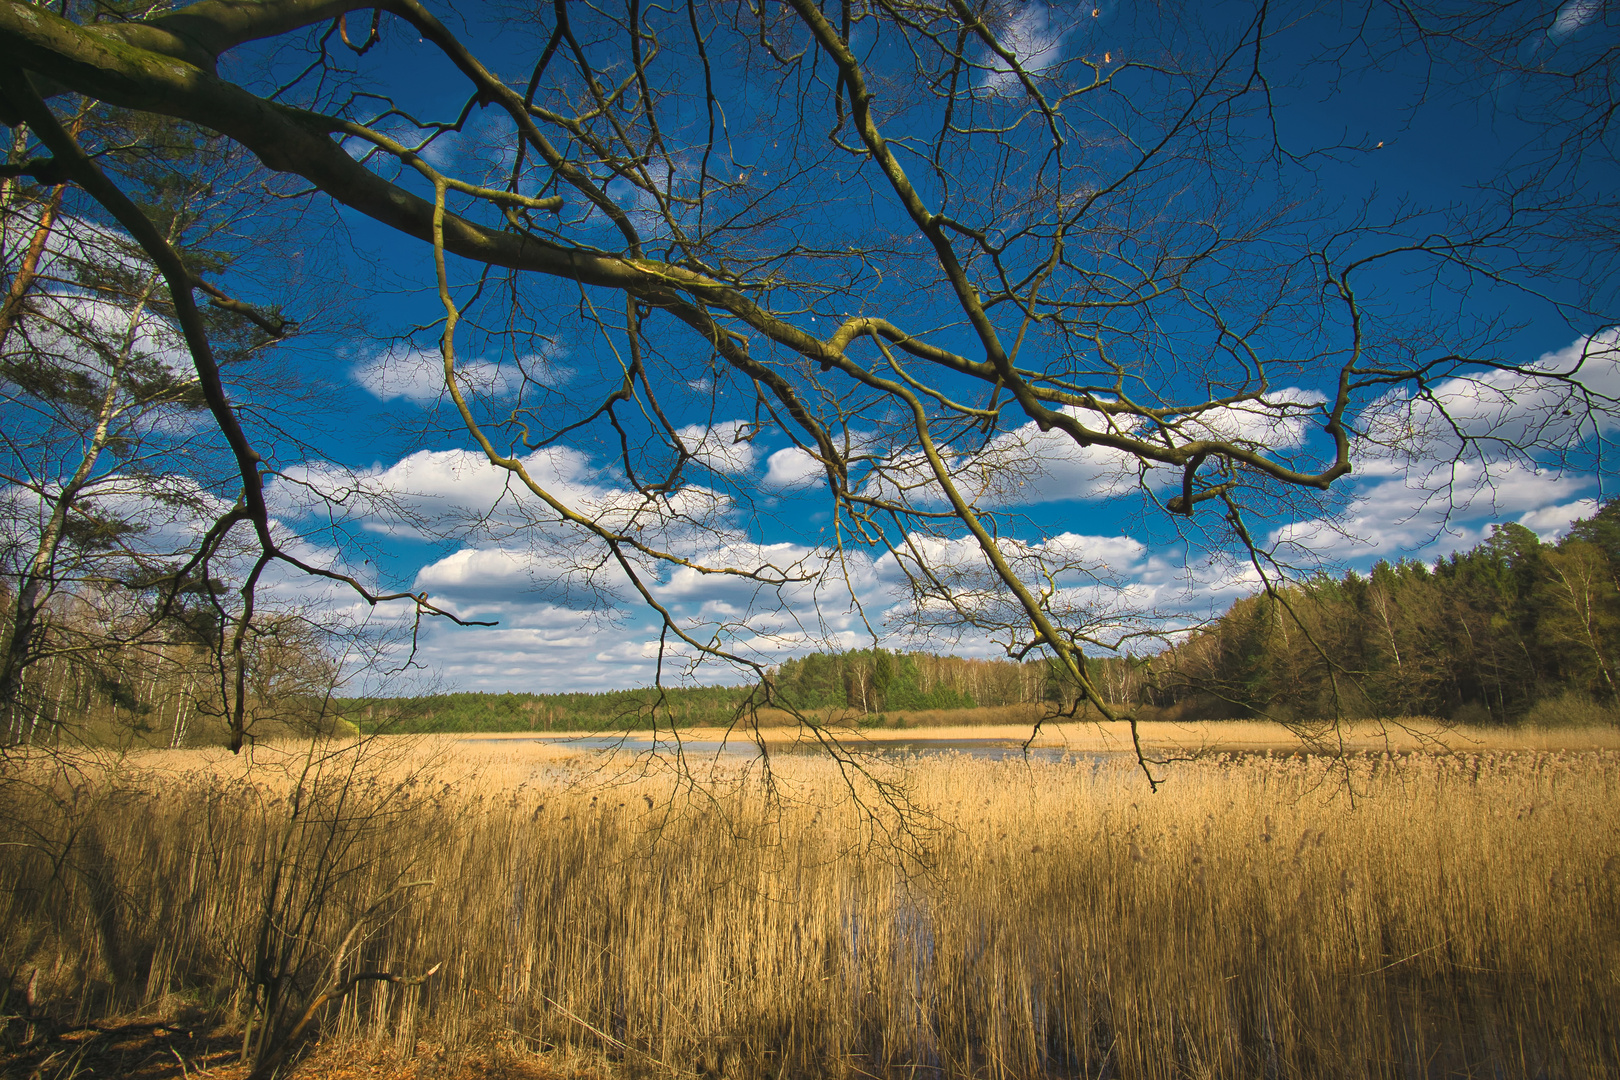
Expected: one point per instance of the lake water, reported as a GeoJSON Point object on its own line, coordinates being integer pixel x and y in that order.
{"type": "Point", "coordinates": [891, 749]}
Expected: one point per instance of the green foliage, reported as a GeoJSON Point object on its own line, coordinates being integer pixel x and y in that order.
{"type": "Point", "coordinates": [817, 681]}
{"type": "Point", "coordinates": [1497, 634]}
{"type": "Point", "coordinates": [875, 680]}
{"type": "Point", "coordinates": [866, 681]}
{"type": "Point", "coordinates": [1601, 530]}
{"type": "Point", "coordinates": [614, 710]}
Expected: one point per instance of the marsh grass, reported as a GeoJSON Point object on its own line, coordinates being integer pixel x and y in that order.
{"type": "Point", "coordinates": [1397, 915]}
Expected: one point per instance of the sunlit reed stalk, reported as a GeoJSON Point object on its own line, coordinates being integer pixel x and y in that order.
{"type": "Point", "coordinates": [1422, 915]}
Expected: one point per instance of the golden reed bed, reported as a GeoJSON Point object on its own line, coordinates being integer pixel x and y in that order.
{"type": "Point", "coordinates": [1428, 914]}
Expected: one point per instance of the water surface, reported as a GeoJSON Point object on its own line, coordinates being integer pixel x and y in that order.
{"type": "Point", "coordinates": [995, 749]}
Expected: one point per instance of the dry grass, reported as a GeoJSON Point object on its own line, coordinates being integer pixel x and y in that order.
{"type": "Point", "coordinates": [1397, 915]}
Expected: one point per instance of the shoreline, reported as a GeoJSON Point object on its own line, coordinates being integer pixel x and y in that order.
{"type": "Point", "coordinates": [1240, 736]}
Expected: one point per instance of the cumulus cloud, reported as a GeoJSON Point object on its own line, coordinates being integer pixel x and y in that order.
{"type": "Point", "coordinates": [1552, 522]}
{"type": "Point", "coordinates": [1063, 555]}
{"type": "Point", "coordinates": [1592, 361]}
{"type": "Point", "coordinates": [1573, 16]}
{"type": "Point", "coordinates": [1026, 466]}
{"type": "Point", "coordinates": [1440, 511]}
{"type": "Point", "coordinates": [74, 242]}
{"type": "Point", "coordinates": [1434, 470]}
{"type": "Point", "coordinates": [551, 638]}
{"type": "Point", "coordinates": [1550, 407]}
{"type": "Point", "coordinates": [81, 328]}
{"type": "Point", "coordinates": [1279, 420]}
{"type": "Point", "coordinates": [547, 641]}
{"type": "Point", "coordinates": [653, 198]}
{"type": "Point", "coordinates": [793, 468]}
{"type": "Point", "coordinates": [535, 649]}
{"type": "Point", "coordinates": [164, 513]}
{"type": "Point", "coordinates": [474, 574]}
{"type": "Point", "coordinates": [431, 490]}
{"type": "Point", "coordinates": [1021, 466]}
{"type": "Point", "coordinates": [417, 375]}
{"type": "Point", "coordinates": [945, 592]}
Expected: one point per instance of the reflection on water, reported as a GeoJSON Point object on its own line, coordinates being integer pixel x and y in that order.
{"type": "Point", "coordinates": [890, 749]}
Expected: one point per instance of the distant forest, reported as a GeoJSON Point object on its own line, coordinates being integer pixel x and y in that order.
{"type": "Point", "coordinates": [857, 683]}
{"type": "Point", "coordinates": [1512, 629]}
{"type": "Point", "coordinates": [613, 710]}
{"type": "Point", "coordinates": [864, 682]}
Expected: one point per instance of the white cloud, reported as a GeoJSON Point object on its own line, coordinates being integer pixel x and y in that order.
{"type": "Point", "coordinates": [1029, 32]}
{"type": "Point", "coordinates": [1551, 408]}
{"type": "Point", "coordinates": [662, 180]}
{"type": "Point", "coordinates": [1434, 471]}
{"type": "Point", "coordinates": [1065, 555]}
{"type": "Point", "coordinates": [432, 490]}
{"type": "Point", "coordinates": [1573, 16]}
{"type": "Point", "coordinates": [72, 243]}
{"type": "Point", "coordinates": [793, 468]}
{"type": "Point", "coordinates": [567, 627]}
{"type": "Point", "coordinates": [418, 376]}
{"type": "Point", "coordinates": [1028, 465]}
{"type": "Point", "coordinates": [1278, 420]}
{"type": "Point", "coordinates": [726, 447]}
{"type": "Point", "coordinates": [1445, 509]}
{"type": "Point", "coordinates": [167, 514]}
{"type": "Point", "coordinates": [545, 648]}
{"type": "Point", "coordinates": [473, 573]}
{"type": "Point", "coordinates": [1021, 466]}
{"type": "Point", "coordinates": [1552, 522]}
{"type": "Point", "coordinates": [549, 641]}
{"type": "Point", "coordinates": [1593, 360]}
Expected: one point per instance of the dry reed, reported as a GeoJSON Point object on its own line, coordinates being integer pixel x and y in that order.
{"type": "Point", "coordinates": [1396, 915]}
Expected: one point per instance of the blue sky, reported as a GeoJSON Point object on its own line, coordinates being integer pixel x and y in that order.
{"type": "Point", "coordinates": [452, 525]}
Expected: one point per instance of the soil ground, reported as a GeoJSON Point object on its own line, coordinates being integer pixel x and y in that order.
{"type": "Point", "coordinates": [151, 1048]}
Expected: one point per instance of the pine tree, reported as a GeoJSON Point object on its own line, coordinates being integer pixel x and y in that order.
{"type": "Point", "coordinates": [104, 467]}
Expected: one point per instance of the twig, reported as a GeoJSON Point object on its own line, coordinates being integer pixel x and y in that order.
{"type": "Point", "coordinates": [599, 1033]}
{"type": "Point", "coordinates": [1402, 960]}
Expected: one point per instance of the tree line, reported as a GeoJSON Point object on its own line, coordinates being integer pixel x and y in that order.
{"type": "Point", "coordinates": [862, 682]}
{"type": "Point", "coordinates": [878, 680]}
{"type": "Point", "coordinates": [104, 672]}
{"type": "Point", "coordinates": [1510, 629]}
{"type": "Point", "coordinates": [611, 710]}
